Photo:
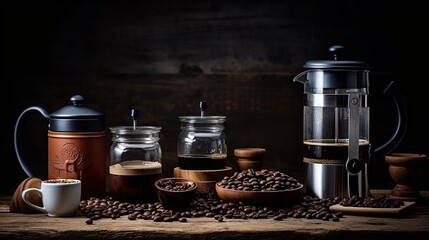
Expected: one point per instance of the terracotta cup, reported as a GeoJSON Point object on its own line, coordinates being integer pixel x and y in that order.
{"type": "Point", "coordinates": [406, 171]}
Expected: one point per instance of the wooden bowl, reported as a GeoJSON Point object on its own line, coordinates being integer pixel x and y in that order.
{"type": "Point", "coordinates": [282, 198]}
{"type": "Point", "coordinates": [244, 164]}
{"type": "Point", "coordinates": [175, 199]}
{"type": "Point", "coordinates": [253, 154]}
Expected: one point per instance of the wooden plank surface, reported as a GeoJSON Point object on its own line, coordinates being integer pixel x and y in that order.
{"type": "Point", "coordinates": [37, 226]}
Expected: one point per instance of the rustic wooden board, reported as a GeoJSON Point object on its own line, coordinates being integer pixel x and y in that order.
{"type": "Point", "coordinates": [408, 205]}
{"type": "Point", "coordinates": [39, 226]}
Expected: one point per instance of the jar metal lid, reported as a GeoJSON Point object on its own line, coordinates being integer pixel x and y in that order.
{"type": "Point", "coordinates": [135, 131]}
{"type": "Point", "coordinates": [204, 119]}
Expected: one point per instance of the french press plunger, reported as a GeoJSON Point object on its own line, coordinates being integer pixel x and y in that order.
{"type": "Point", "coordinates": [336, 123]}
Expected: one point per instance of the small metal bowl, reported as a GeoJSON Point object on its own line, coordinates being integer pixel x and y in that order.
{"type": "Point", "coordinates": [175, 193]}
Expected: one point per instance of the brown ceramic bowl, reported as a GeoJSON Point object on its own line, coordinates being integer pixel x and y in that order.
{"type": "Point", "coordinates": [175, 193]}
{"type": "Point", "coordinates": [282, 198]}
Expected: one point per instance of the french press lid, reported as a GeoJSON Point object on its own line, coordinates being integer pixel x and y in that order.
{"type": "Point", "coordinates": [337, 73]}
{"type": "Point", "coordinates": [77, 118]}
{"type": "Point", "coordinates": [335, 63]}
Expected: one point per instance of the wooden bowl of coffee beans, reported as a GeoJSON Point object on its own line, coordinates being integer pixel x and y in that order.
{"type": "Point", "coordinates": [175, 193]}
{"type": "Point", "coordinates": [263, 188]}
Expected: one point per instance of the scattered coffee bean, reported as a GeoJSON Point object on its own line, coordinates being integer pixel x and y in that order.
{"type": "Point", "coordinates": [210, 206]}
{"type": "Point", "coordinates": [219, 218]}
{"type": "Point", "coordinates": [207, 205]}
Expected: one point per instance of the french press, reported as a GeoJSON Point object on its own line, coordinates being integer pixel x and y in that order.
{"type": "Point", "coordinates": [336, 126]}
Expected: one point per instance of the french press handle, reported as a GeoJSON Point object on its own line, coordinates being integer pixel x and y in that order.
{"type": "Point", "coordinates": [401, 123]}
{"type": "Point", "coordinates": [354, 164]}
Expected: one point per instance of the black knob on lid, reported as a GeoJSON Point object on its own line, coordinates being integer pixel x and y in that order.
{"type": "Point", "coordinates": [336, 50]}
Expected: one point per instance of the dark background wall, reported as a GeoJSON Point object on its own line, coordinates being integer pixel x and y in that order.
{"type": "Point", "coordinates": [163, 57]}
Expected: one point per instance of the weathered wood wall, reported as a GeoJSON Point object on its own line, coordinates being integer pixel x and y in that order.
{"type": "Point", "coordinates": [164, 56]}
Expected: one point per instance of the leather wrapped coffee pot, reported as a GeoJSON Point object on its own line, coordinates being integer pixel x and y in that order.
{"type": "Point", "coordinates": [76, 145]}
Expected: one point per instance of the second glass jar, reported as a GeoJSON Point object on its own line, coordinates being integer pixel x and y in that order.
{"type": "Point", "coordinates": [202, 143]}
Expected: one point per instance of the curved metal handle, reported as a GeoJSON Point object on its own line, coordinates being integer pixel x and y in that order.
{"type": "Point", "coordinates": [402, 122]}
{"type": "Point", "coordinates": [17, 136]}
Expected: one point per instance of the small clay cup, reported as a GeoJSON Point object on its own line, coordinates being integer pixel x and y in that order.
{"type": "Point", "coordinates": [406, 171]}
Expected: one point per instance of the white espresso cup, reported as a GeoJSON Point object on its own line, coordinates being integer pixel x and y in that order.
{"type": "Point", "coordinates": [60, 197]}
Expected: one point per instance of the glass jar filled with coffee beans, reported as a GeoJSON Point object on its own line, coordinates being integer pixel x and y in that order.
{"type": "Point", "coordinates": [135, 163]}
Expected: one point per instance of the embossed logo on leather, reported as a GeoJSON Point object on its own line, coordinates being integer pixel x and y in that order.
{"type": "Point", "coordinates": [71, 160]}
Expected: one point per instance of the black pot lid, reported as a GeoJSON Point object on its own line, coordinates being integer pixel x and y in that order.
{"type": "Point", "coordinates": [335, 63]}
{"type": "Point", "coordinates": [77, 118]}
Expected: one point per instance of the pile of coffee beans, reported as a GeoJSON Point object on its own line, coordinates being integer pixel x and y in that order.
{"type": "Point", "coordinates": [211, 206]}
{"type": "Point", "coordinates": [176, 186]}
{"type": "Point", "coordinates": [205, 205]}
{"type": "Point", "coordinates": [263, 180]}
{"type": "Point", "coordinates": [371, 202]}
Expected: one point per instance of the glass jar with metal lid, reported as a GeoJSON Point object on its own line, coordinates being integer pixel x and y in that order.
{"type": "Point", "coordinates": [202, 142]}
{"type": "Point", "coordinates": [135, 163]}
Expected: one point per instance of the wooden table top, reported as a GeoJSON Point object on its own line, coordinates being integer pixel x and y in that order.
{"type": "Point", "coordinates": [413, 225]}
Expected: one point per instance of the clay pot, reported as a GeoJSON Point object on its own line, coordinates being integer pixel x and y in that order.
{"type": "Point", "coordinates": [17, 205]}
{"type": "Point", "coordinates": [406, 171]}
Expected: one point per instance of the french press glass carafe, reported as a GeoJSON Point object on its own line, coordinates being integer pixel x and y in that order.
{"type": "Point", "coordinates": [336, 127]}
